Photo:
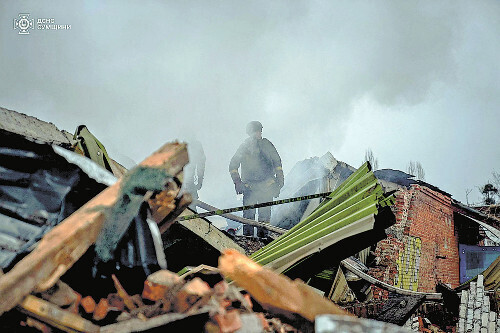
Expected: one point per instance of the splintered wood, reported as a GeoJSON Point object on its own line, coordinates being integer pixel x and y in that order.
{"type": "Point", "coordinates": [61, 247]}
{"type": "Point", "coordinates": [275, 290]}
{"type": "Point", "coordinates": [164, 202]}
{"type": "Point", "coordinates": [167, 205]}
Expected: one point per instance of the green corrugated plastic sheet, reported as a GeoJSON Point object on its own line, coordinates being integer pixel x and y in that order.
{"type": "Point", "coordinates": [357, 198]}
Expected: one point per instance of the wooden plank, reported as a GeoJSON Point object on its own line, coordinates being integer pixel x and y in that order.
{"type": "Point", "coordinates": [138, 325]}
{"type": "Point", "coordinates": [273, 290]}
{"type": "Point", "coordinates": [60, 248]}
{"type": "Point", "coordinates": [210, 234]}
{"type": "Point", "coordinates": [55, 316]}
{"type": "Point", "coordinates": [164, 202]}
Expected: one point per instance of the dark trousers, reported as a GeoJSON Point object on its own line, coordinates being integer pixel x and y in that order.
{"type": "Point", "coordinates": [257, 193]}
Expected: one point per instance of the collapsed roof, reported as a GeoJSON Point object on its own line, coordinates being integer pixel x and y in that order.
{"type": "Point", "coordinates": [325, 173]}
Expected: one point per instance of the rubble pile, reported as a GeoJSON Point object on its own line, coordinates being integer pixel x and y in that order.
{"type": "Point", "coordinates": [201, 300]}
{"type": "Point", "coordinates": [87, 246]}
{"type": "Point", "coordinates": [249, 244]}
{"type": "Point", "coordinates": [99, 265]}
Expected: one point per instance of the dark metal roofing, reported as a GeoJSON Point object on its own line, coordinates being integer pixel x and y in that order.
{"type": "Point", "coordinates": [395, 176]}
{"type": "Point", "coordinates": [404, 179]}
{"type": "Point", "coordinates": [38, 189]}
{"type": "Point", "coordinates": [41, 185]}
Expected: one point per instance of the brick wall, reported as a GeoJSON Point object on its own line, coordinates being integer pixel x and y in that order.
{"type": "Point", "coordinates": [422, 247]}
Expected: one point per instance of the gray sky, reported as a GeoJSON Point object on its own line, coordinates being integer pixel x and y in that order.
{"type": "Point", "coordinates": [412, 80]}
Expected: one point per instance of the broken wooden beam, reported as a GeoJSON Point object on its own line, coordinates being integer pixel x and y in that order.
{"type": "Point", "coordinates": [181, 204]}
{"type": "Point", "coordinates": [62, 246]}
{"type": "Point", "coordinates": [63, 296]}
{"type": "Point", "coordinates": [274, 290]}
{"type": "Point", "coordinates": [138, 325]}
{"type": "Point", "coordinates": [164, 202]}
{"type": "Point", "coordinates": [55, 316]}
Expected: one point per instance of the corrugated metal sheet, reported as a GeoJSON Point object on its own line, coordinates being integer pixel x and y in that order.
{"type": "Point", "coordinates": [340, 291]}
{"type": "Point", "coordinates": [492, 276]}
{"type": "Point", "coordinates": [348, 211]}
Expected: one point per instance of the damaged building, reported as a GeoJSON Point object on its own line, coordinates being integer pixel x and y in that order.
{"type": "Point", "coordinates": [86, 245]}
{"type": "Point", "coordinates": [435, 243]}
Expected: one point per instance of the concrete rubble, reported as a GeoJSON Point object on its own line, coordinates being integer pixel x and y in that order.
{"type": "Point", "coordinates": [475, 313]}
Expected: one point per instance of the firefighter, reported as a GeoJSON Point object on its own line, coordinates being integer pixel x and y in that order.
{"type": "Point", "coordinates": [194, 171]}
{"type": "Point", "coordinates": [261, 175]}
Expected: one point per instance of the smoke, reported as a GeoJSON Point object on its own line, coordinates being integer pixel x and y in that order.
{"type": "Point", "coordinates": [141, 74]}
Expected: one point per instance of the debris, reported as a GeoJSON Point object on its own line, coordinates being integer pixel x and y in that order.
{"type": "Point", "coordinates": [229, 321]}
{"type": "Point", "coordinates": [163, 203]}
{"type": "Point", "coordinates": [30, 322]}
{"type": "Point", "coordinates": [348, 264]}
{"type": "Point", "coordinates": [115, 222]}
{"type": "Point", "coordinates": [123, 294]}
{"type": "Point", "coordinates": [132, 224]}
{"type": "Point", "coordinates": [68, 241]}
{"type": "Point", "coordinates": [115, 301]}
{"type": "Point", "coordinates": [55, 316]}
{"type": "Point", "coordinates": [240, 219]}
{"type": "Point", "coordinates": [181, 204]}
{"type": "Point", "coordinates": [194, 292]}
{"type": "Point", "coordinates": [274, 290]}
{"type": "Point", "coordinates": [348, 324]}
{"type": "Point", "coordinates": [174, 322]}
{"type": "Point", "coordinates": [63, 296]}
{"type": "Point", "coordinates": [101, 310]}
{"type": "Point", "coordinates": [198, 241]}
{"type": "Point", "coordinates": [158, 284]}
{"type": "Point", "coordinates": [399, 308]}
{"type": "Point", "coordinates": [88, 304]}
{"type": "Point", "coordinates": [358, 205]}
{"type": "Point", "coordinates": [136, 187]}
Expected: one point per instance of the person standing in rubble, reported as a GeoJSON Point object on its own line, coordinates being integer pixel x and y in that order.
{"type": "Point", "coordinates": [261, 175]}
{"type": "Point", "coordinates": [194, 171]}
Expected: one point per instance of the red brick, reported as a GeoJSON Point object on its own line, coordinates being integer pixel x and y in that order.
{"type": "Point", "coordinates": [425, 217]}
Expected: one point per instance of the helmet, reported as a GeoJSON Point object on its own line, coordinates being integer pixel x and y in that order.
{"type": "Point", "coordinates": [254, 126]}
